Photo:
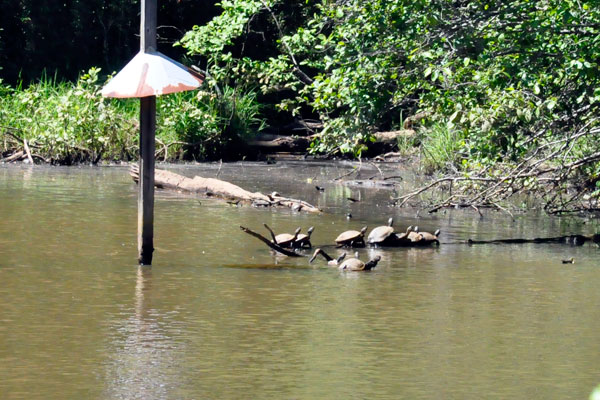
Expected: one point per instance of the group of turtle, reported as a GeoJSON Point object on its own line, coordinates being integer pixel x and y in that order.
{"type": "Point", "coordinates": [381, 236]}
{"type": "Point", "coordinates": [385, 236]}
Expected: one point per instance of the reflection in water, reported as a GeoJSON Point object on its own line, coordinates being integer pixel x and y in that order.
{"type": "Point", "coordinates": [143, 349]}
{"type": "Point", "coordinates": [218, 316]}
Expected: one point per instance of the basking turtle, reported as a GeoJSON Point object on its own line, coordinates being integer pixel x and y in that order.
{"type": "Point", "coordinates": [283, 239]}
{"type": "Point", "coordinates": [404, 236]}
{"type": "Point", "coordinates": [352, 238]}
{"type": "Point", "coordinates": [330, 260]}
{"type": "Point", "coordinates": [381, 234]}
{"type": "Point", "coordinates": [428, 238]}
{"type": "Point", "coordinates": [303, 240]}
{"type": "Point", "coordinates": [414, 236]}
{"type": "Point", "coordinates": [400, 239]}
{"type": "Point", "coordinates": [354, 264]}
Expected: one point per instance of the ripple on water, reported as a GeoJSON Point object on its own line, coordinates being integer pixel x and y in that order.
{"type": "Point", "coordinates": [218, 316]}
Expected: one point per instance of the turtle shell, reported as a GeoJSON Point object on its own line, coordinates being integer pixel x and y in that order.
{"type": "Point", "coordinates": [353, 264]}
{"type": "Point", "coordinates": [379, 234]}
{"type": "Point", "coordinates": [303, 239]}
{"type": "Point", "coordinates": [284, 239]}
{"type": "Point", "coordinates": [414, 237]}
{"type": "Point", "coordinates": [348, 236]}
{"type": "Point", "coordinates": [429, 237]}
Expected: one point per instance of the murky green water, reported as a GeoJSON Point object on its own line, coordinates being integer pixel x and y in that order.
{"type": "Point", "coordinates": [218, 317]}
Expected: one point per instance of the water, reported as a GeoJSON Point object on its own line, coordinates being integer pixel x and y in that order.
{"type": "Point", "coordinates": [218, 316]}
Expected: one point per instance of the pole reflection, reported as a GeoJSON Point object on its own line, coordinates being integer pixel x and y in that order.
{"type": "Point", "coordinates": [144, 352]}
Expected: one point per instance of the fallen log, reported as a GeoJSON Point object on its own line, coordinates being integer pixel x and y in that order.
{"type": "Point", "coordinates": [282, 143]}
{"type": "Point", "coordinates": [15, 156]}
{"type": "Point", "coordinates": [392, 136]}
{"type": "Point", "coordinates": [222, 189]}
{"type": "Point", "coordinates": [271, 244]}
{"type": "Point", "coordinates": [574, 240]}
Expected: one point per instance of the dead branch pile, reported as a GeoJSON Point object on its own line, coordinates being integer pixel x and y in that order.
{"type": "Point", "coordinates": [558, 171]}
{"type": "Point", "coordinates": [16, 149]}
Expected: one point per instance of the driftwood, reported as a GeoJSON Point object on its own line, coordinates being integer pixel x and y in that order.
{"type": "Point", "coordinates": [271, 244]}
{"type": "Point", "coordinates": [222, 189]}
{"type": "Point", "coordinates": [574, 240]}
{"type": "Point", "coordinates": [27, 151]}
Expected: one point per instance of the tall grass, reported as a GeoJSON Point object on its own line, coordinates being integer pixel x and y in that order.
{"type": "Point", "coordinates": [440, 146]}
{"type": "Point", "coordinates": [71, 122]}
{"type": "Point", "coordinates": [66, 122]}
{"type": "Point", "coordinates": [206, 125]}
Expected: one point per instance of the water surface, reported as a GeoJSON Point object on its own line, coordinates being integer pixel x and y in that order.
{"type": "Point", "coordinates": [218, 316]}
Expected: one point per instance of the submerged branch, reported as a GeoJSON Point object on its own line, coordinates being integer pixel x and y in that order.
{"type": "Point", "coordinates": [269, 243]}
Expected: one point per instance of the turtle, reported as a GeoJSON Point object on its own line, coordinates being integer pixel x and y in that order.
{"type": "Point", "coordinates": [303, 239]}
{"type": "Point", "coordinates": [400, 239]}
{"type": "Point", "coordinates": [354, 264]}
{"type": "Point", "coordinates": [381, 234]}
{"type": "Point", "coordinates": [352, 238]}
{"type": "Point", "coordinates": [283, 239]}
{"type": "Point", "coordinates": [330, 260]}
{"type": "Point", "coordinates": [428, 238]}
{"type": "Point", "coordinates": [414, 236]}
{"type": "Point", "coordinates": [408, 238]}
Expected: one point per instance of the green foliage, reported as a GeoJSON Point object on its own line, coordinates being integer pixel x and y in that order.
{"type": "Point", "coordinates": [68, 122]}
{"type": "Point", "coordinates": [441, 146]}
{"type": "Point", "coordinates": [205, 125]}
{"type": "Point", "coordinates": [498, 71]}
{"type": "Point", "coordinates": [73, 123]}
{"type": "Point", "coordinates": [595, 395]}
{"type": "Point", "coordinates": [507, 77]}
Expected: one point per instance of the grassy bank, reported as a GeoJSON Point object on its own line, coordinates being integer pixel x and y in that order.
{"type": "Point", "coordinates": [66, 123]}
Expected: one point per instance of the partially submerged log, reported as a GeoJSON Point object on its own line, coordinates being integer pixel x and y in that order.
{"type": "Point", "coordinates": [18, 155]}
{"type": "Point", "coordinates": [222, 189]}
{"type": "Point", "coordinates": [574, 240]}
{"type": "Point", "coordinates": [376, 184]}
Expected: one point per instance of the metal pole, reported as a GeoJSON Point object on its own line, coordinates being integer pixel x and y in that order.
{"type": "Point", "coordinates": [147, 145]}
{"type": "Point", "coordinates": [146, 185]}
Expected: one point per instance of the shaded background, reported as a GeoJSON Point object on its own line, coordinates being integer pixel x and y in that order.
{"type": "Point", "coordinates": [63, 38]}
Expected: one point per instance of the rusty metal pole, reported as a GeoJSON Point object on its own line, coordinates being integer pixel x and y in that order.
{"type": "Point", "coordinates": [147, 145]}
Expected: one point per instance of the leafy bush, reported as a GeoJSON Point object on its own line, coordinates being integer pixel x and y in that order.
{"type": "Point", "coordinates": [441, 146]}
